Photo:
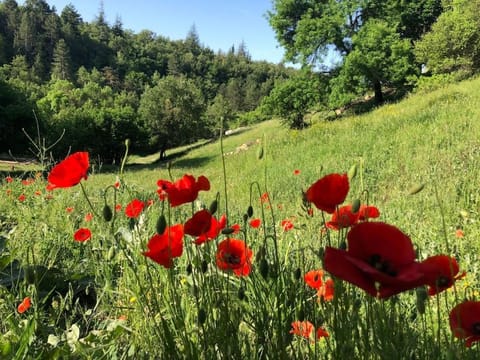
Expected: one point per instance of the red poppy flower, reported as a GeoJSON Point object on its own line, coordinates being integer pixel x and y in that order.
{"type": "Point", "coordinates": [22, 198]}
{"type": "Point", "coordinates": [199, 223]}
{"type": "Point", "coordinates": [204, 226]}
{"type": "Point", "coordinates": [287, 225]}
{"type": "Point", "coordinates": [440, 273]}
{"type": "Point", "coordinates": [69, 209]}
{"type": "Point", "coordinates": [302, 328]}
{"type": "Point", "coordinates": [70, 171]}
{"type": "Point", "coordinates": [328, 192]}
{"type": "Point", "coordinates": [380, 259]}
{"type": "Point", "coordinates": [9, 179]}
{"type": "Point", "coordinates": [82, 234]}
{"type": "Point", "coordinates": [182, 191]}
{"type": "Point", "coordinates": [118, 207]}
{"type": "Point", "coordinates": [163, 248]}
{"type": "Point", "coordinates": [327, 290]}
{"type": "Point", "coordinates": [321, 333]}
{"type": "Point", "coordinates": [236, 228]}
{"type": "Point", "coordinates": [88, 217]}
{"type": "Point", "coordinates": [27, 182]}
{"type": "Point", "coordinates": [134, 208]}
{"type": "Point", "coordinates": [234, 254]}
{"type": "Point", "coordinates": [296, 172]}
{"type": "Point", "coordinates": [24, 305]}
{"type": "Point", "coordinates": [343, 217]}
{"type": "Point", "coordinates": [465, 321]}
{"type": "Point", "coordinates": [314, 278]}
{"type": "Point", "coordinates": [459, 233]}
{"type": "Point", "coordinates": [265, 198]}
{"type": "Point", "coordinates": [255, 223]}
{"type": "Point", "coordinates": [37, 193]}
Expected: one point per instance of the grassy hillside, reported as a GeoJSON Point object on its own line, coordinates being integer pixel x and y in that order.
{"type": "Point", "coordinates": [102, 298]}
{"type": "Point", "coordinates": [427, 138]}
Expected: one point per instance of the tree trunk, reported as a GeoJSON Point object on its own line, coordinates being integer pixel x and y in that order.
{"type": "Point", "coordinates": [377, 86]}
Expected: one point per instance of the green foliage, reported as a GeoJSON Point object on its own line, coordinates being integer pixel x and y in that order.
{"type": "Point", "coordinates": [453, 44]}
{"type": "Point", "coordinates": [291, 99]}
{"type": "Point", "coordinates": [171, 111]}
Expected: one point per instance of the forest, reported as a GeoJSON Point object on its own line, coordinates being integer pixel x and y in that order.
{"type": "Point", "coordinates": [92, 85]}
{"type": "Point", "coordinates": [99, 84]}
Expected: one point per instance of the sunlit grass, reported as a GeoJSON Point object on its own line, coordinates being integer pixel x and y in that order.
{"type": "Point", "coordinates": [430, 139]}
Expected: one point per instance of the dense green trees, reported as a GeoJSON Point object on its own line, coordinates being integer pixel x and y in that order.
{"type": "Point", "coordinates": [103, 84]}
{"type": "Point", "coordinates": [454, 42]}
{"type": "Point", "coordinates": [371, 40]}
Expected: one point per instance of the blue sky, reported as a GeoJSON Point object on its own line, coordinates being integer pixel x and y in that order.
{"type": "Point", "coordinates": [219, 23]}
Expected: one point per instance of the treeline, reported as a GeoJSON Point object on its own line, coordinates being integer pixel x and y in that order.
{"type": "Point", "coordinates": [374, 46]}
{"type": "Point", "coordinates": [102, 83]}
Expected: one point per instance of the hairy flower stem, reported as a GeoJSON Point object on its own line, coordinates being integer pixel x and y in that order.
{"type": "Point", "coordinates": [88, 200]}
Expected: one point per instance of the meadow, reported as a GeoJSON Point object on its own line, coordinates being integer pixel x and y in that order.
{"type": "Point", "coordinates": [106, 295]}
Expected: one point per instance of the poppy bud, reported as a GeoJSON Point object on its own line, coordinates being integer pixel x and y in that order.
{"type": "Point", "coordinates": [131, 223]}
{"type": "Point", "coordinates": [352, 172]}
{"type": "Point", "coordinates": [245, 217]}
{"type": "Point", "coordinates": [297, 274]}
{"type": "Point", "coordinates": [213, 207]}
{"type": "Point", "coordinates": [355, 206]}
{"type": "Point", "coordinates": [264, 268]}
{"type": "Point", "coordinates": [127, 143]}
{"type": "Point", "coordinates": [301, 314]}
{"type": "Point", "coordinates": [204, 266]}
{"type": "Point", "coordinates": [416, 189]}
{"type": "Point", "coordinates": [421, 297]}
{"type": "Point", "coordinates": [111, 253]}
{"type": "Point", "coordinates": [241, 293]}
{"type": "Point", "coordinates": [260, 153]}
{"type": "Point", "coordinates": [250, 211]}
{"type": "Point", "coordinates": [107, 213]}
{"type": "Point", "coordinates": [189, 268]}
{"type": "Point", "coordinates": [161, 224]}
{"type": "Point", "coordinates": [202, 316]}
{"type": "Point", "coordinates": [228, 231]}
{"type": "Point", "coordinates": [343, 245]}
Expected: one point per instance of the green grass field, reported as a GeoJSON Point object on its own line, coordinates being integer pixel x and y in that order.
{"type": "Point", "coordinates": [102, 299]}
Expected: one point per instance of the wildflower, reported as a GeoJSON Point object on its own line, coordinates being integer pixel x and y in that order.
{"type": "Point", "coordinates": [24, 305]}
{"type": "Point", "coordinates": [326, 290]}
{"type": "Point", "coordinates": [37, 193]}
{"type": "Point", "coordinates": [182, 191]}
{"type": "Point", "coordinates": [9, 179]}
{"type": "Point", "coordinates": [204, 226]}
{"type": "Point", "coordinates": [118, 207]}
{"type": "Point", "coordinates": [236, 228]}
{"type": "Point", "coordinates": [69, 172]}
{"type": "Point", "coordinates": [296, 172]}
{"type": "Point", "coordinates": [321, 333]}
{"type": "Point", "coordinates": [465, 321]}
{"type": "Point", "coordinates": [314, 278]}
{"type": "Point", "coordinates": [150, 202]}
{"type": "Point", "coordinates": [162, 248]}
{"type": "Point", "coordinates": [22, 198]}
{"type": "Point", "coordinates": [343, 217]}
{"type": "Point", "coordinates": [302, 328]}
{"type": "Point", "coordinates": [459, 233]}
{"type": "Point", "coordinates": [27, 182]}
{"type": "Point", "coordinates": [134, 208]}
{"type": "Point", "coordinates": [255, 223]}
{"type": "Point", "coordinates": [380, 259]}
{"type": "Point", "coordinates": [234, 254]}
{"type": "Point", "coordinates": [88, 217]}
{"type": "Point", "coordinates": [69, 209]}
{"type": "Point", "coordinates": [265, 198]}
{"type": "Point", "coordinates": [286, 225]}
{"type": "Point", "coordinates": [328, 192]}
{"type": "Point", "coordinates": [440, 273]}
{"type": "Point", "coordinates": [82, 234]}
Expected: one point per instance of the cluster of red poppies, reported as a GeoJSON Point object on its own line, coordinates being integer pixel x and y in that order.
{"type": "Point", "coordinates": [379, 258]}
